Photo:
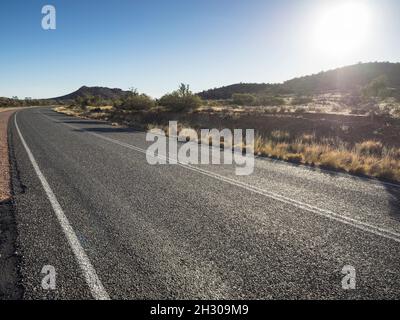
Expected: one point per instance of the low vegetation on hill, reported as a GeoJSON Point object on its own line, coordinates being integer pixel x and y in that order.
{"type": "Point", "coordinates": [102, 93]}
{"type": "Point", "coordinates": [15, 102]}
{"type": "Point", "coordinates": [360, 89]}
{"type": "Point", "coordinates": [347, 80]}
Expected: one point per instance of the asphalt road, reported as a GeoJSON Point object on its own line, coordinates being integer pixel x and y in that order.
{"type": "Point", "coordinates": [113, 226]}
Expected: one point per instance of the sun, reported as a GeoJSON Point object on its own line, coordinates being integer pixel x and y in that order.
{"type": "Point", "coordinates": [342, 28]}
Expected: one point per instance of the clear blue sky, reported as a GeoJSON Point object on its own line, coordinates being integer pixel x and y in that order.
{"type": "Point", "coordinates": [154, 45]}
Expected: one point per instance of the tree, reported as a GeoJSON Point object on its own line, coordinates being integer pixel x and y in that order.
{"type": "Point", "coordinates": [184, 90]}
{"type": "Point", "coordinates": [377, 88]}
{"type": "Point", "coordinates": [136, 101]}
{"type": "Point", "coordinates": [181, 100]}
{"type": "Point", "coordinates": [133, 91]}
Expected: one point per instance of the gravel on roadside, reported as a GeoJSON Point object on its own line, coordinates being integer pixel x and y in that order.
{"type": "Point", "coordinates": [10, 288]}
{"type": "Point", "coordinates": [5, 192]}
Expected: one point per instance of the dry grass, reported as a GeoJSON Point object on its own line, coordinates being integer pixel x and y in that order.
{"type": "Point", "coordinates": [76, 112]}
{"type": "Point", "coordinates": [368, 158]}
{"type": "Point", "coordinates": [96, 113]}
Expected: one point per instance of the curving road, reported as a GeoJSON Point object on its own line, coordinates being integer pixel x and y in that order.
{"type": "Point", "coordinates": [113, 226]}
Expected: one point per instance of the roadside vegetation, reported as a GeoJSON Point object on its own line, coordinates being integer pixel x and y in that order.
{"type": "Point", "coordinates": [15, 102]}
{"type": "Point", "coordinates": [369, 158]}
{"type": "Point", "coordinates": [354, 130]}
{"type": "Point", "coordinates": [181, 100]}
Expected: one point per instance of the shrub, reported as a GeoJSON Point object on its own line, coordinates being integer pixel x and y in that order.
{"type": "Point", "coordinates": [294, 158]}
{"type": "Point", "coordinates": [301, 101]}
{"type": "Point", "coordinates": [135, 102]}
{"type": "Point", "coordinates": [279, 136]}
{"type": "Point", "coordinates": [387, 169]}
{"type": "Point", "coordinates": [308, 137]}
{"type": "Point", "coordinates": [329, 160]}
{"type": "Point", "coordinates": [351, 100]}
{"type": "Point", "coordinates": [272, 110]}
{"type": "Point", "coordinates": [377, 88]}
{"type": "Point", "coordinates": [214, 103]}
{"type": "Point", "coordinates": [88, 100]}
{"type": "Point", "coordinates": [370, 148]}
{"type": "Point", "coordinates": [243, 99]}
{"type": "Point", "coordinates": [300, 110]}
{"type": "Point", "coordinates": [181, 100]}
{"type": "Point", "coordinates": [270, 101]}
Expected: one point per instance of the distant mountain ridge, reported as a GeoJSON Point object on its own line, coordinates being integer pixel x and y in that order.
{"type": "Point", "coordinates": [345, 79]}
{"type": "Point", "coordinates": [252, 88]}
{"type": "Point", "coordinates": [101, 92]}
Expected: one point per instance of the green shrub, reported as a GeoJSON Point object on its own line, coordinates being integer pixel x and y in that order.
{"type": "Point", "coordinates": [243, 99]}
{"type": "Point", "coordinates": [270, 101]}
{"type": "Point", "coordinates": [94, 101]}
{"type": "Point", "coordinates": [181, 100]}
{"type": "Point", "coordinates": [136, 102]}
{"type": "Point", "coordinates": [377, 88]}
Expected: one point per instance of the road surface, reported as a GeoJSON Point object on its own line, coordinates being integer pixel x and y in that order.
{"type": "Point", "coordinates": [113, 226]}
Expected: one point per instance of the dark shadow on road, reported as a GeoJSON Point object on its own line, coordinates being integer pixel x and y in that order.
{"type": "Point", "coordinates": [106, 130]}
{"type": "Point", "coordinates": [84, 122]}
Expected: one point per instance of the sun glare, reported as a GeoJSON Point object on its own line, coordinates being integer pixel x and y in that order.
{"type": "Point", "coordinates": [342, 28]}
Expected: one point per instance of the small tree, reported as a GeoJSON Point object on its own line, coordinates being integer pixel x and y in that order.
{"type": "Point", "coordinates": [184, 90]}
{"type": "Point", "coordinates": [181, 100]}
{"type": "Point", "coordinates": [377, 88]}
{"type": "Point", "coordinates": [81, 102]}
{"type": "Point", "coordinates": [133, 91]}
{"type": "Point", "coordinates": [135, 102]}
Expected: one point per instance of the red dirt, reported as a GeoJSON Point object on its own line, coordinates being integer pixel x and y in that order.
{"type": "Point", "coordinates": [5, 191]}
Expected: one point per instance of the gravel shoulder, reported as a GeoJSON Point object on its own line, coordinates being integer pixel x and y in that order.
{"type": "Point", "coordinates": [5, 191]}
{"type": "Point", "coordinates": [9, 261]}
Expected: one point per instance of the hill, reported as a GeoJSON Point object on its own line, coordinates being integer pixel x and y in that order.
{"type": "Point", "coordinates": [252, 88]}
{"type": "Point", "coordinates": [100, 92]}
{"type": "Point", "coordinates": [346, 79]}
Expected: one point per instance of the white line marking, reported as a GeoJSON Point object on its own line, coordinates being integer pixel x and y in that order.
{"type": "Point", "coordinates": [92, 280]}
{"type": "Point", "coordinates": [304, 206]}
{"type": "Point", "coordinates": [326, 213]}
